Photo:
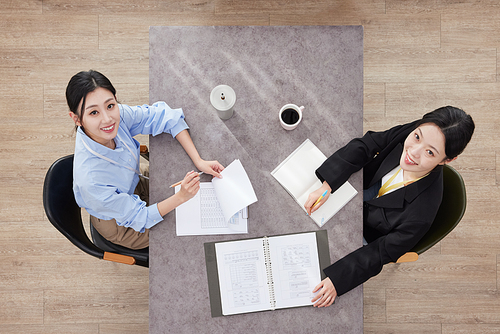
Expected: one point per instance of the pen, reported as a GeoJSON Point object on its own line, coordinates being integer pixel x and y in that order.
{"type": "Point", "coordinates": [177, 183]}
{"type": "Point", "coordinates": [319, 199]}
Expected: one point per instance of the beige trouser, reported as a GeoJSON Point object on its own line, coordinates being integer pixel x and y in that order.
{"type": "Point", "coordinates": [126, 236]}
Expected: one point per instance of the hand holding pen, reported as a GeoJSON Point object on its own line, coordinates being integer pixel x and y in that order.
{"type": "Point", "coordinates": [189, 186]}
{"type": "Point", "coordinates": [177, 183]}
{"type": "Point", "coordinates": [317, 198]}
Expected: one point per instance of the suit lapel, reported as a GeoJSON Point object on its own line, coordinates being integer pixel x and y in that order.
{"type": "Point", "coordinates": [388, 164]}
{"type": "Point", "coordinates": [397, 198]}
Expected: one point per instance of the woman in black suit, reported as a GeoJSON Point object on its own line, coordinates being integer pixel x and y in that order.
{"type": "Point", "coordinates": [403, 188]}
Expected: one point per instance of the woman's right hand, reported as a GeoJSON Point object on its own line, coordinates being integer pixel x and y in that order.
{"type": "Point", "coordinates": [313, 197]}
{"type": "Point", "coordinates": [189, 186]}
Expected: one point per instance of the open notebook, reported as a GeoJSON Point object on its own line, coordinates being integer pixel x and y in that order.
{"type": "Point", "coordinates": [297, 175]}
{"type": "Point", "coordinates": [267, 273]}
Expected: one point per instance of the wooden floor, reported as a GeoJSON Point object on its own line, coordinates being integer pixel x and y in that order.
{"type": "Point", "coordinates": [418, 55]}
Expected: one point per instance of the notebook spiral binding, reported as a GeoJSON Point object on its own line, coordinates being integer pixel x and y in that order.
{"type": "Point", "coordinates": [270, 281]}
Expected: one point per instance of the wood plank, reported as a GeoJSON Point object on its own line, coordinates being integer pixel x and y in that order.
{"type": "Point", "coordinates": [472, 236]}
{"type": "Point", "coordinates": [373, 304]}
{"type": "Point", "coordinates": [335, 7]}
{"type": "Point", "coordinates": [21, 7]}
{"type": "Point", "coordinates": [463, 29]}
{"type": "Point", "coordinates": [110, 304]}
{"type": "Point", "coordinates": [477, 99]}
{"type": "Point", "coordinates": [407, 328]}
{"type": "Point", "coordinates": [380, 31]}
{"type": "Point", "coordinates": [30, 197]}
{"type": "Point", "coordinates": [471, 328]}
{"type": "Point", "coordinates": [132, 31]}
{"type": "Point", "coordinates": [441, 6]}
{"type": "Point", "coordinates": [50, 269]}
{"type": "Point", "coordinates": [117, 328]}
{"type": "Point", "coordinates": [436, 271]}
{"type": "Point", "coordinates": [143, 7]}
{"type": "Point", "coordinates": [445, 305]}
{"type": "Point", "coordinates": [36, 65]}
{"type": "Point", "coordinates": [21, 306]}
{"type": "Point", "coordinates": [373, 102]}
{"type": "Point", "coordinates": [46, 329]}
{"type": "Point", "coordinates": [482, 202]}
{"type": "Point", "coordinates": [430, 65]}
{"type": "Point", "coordinates": [21, 100]}
{"type": "Point", "coordinates": [45, 31]}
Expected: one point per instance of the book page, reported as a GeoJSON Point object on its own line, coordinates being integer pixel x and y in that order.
{"type": "Point", "coordinates": [335, 202]}
{"type": "Point", "coordinates": [295, 268]}
{"type": "Point", "coordinates": [297, 173]}
{"type": "Point", "coordinates": [242, 276]}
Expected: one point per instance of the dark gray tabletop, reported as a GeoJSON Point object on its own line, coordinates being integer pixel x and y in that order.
{"type": "Point", "coordinates": [319, 67]}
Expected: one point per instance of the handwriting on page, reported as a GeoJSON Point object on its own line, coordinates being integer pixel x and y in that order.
{"type": "Point", "coordinates": [295, 259]}
{"type": "Point", "coordinates": [244, 277]}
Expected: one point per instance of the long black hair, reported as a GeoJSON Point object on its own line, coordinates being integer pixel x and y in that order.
{"type": "Point", "coordinates": [456, 125]}
{"type": "Point", "coordinates": [83, 83]}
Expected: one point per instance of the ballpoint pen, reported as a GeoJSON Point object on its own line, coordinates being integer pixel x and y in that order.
{"type": "Point", "coordinates": [320, 198]}
{"type": "Point", "coordinates": [177, 183]}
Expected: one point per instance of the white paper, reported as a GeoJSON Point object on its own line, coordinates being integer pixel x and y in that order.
{"type": "Point", "coordinates": [191, 220]}
{"type": "Point", "coordinates": [234, 190]}
{"type": "Point", "coordinates": [297, 175]}
{"type": "Point", "coordinates": [296, 271]}
{"type": "Point", "coordinates": [248, 285]}
{"type": "Point", "coordinates": [234, 193]}
{"type": "Point", "coordinates": [242, 276]}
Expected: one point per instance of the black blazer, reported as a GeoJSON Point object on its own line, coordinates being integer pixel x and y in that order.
{"type": "Point", "coordinates": [393, 223]}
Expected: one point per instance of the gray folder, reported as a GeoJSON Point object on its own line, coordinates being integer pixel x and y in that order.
{"type": "Point", "coordinates": [213, 276]}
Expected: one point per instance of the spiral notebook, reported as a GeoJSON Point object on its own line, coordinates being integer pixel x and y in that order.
{"type": "Point", "coordinates": [267, 273]}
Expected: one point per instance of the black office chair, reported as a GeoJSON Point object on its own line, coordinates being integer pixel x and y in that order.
{"type": "Point", "coordinates": [449, 214]}
{"type": "Point", "coordinates": [63, 212]}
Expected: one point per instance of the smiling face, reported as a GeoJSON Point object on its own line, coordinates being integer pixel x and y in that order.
{"type": "Point", "coordinates": [100, 118]}
{"type": "Point", "coordinates": [424, 149]}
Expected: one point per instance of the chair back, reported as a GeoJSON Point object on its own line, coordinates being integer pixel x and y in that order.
{"type": "Point", "coordinates": [450, 211]}
{"type": "Point", "coordinates": [61, 208]}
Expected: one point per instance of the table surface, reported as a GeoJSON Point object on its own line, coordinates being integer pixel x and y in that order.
{"type": "Point", "coordinates": [319, 67]}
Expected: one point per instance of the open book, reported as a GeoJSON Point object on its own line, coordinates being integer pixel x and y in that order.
{"type": "Point", "coordinates": [219, 207]}
{"type": "Point", "coordinates": [297, 175]}
{"type": "Point", "coordinates": [265, 273]}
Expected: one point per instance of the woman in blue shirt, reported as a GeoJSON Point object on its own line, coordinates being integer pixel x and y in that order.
{"type": "Point", "coordinates": [106, 163]}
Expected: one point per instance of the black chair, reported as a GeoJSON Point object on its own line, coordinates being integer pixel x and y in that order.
{"type": "Point", "coordinates": [449, 214]}
{"type": "Point", "coordinates": [63, 212]}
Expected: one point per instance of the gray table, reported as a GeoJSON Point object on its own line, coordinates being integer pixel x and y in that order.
{"type": "Point", "coordinates": [319, 67]}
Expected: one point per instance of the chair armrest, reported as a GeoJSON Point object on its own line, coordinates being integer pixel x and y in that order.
{"type": "Point", "coordinates": [118, 258]}
{"type": "Point", "coordinates": [144, 152]}
{"type": "Point", "coordinates": [408, 257]}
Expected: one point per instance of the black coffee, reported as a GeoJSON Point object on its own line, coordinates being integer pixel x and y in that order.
{"type": "Point", "coordinates": [290, 116]}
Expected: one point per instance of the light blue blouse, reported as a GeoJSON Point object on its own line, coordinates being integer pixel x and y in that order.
{"type": "Point", "coordinates": [104, 180]}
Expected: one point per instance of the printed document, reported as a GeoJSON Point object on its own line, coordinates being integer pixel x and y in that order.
{"type": "Point", "coordinates": [220, 206]}
{"type": "Point", "coordinates": [267, 273]}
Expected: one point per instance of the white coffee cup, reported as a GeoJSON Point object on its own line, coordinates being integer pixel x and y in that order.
{"type": "Point", "coordinates": [290, 116]}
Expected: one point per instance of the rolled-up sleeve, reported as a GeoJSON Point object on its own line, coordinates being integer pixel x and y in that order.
{"type": "Point", "coordinates": [153, 119]}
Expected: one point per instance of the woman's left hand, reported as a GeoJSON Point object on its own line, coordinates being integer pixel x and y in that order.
{"type": "Point", "coordinates": [326, 296]}
{"type": "Point", "coordinates": [210, 167]}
